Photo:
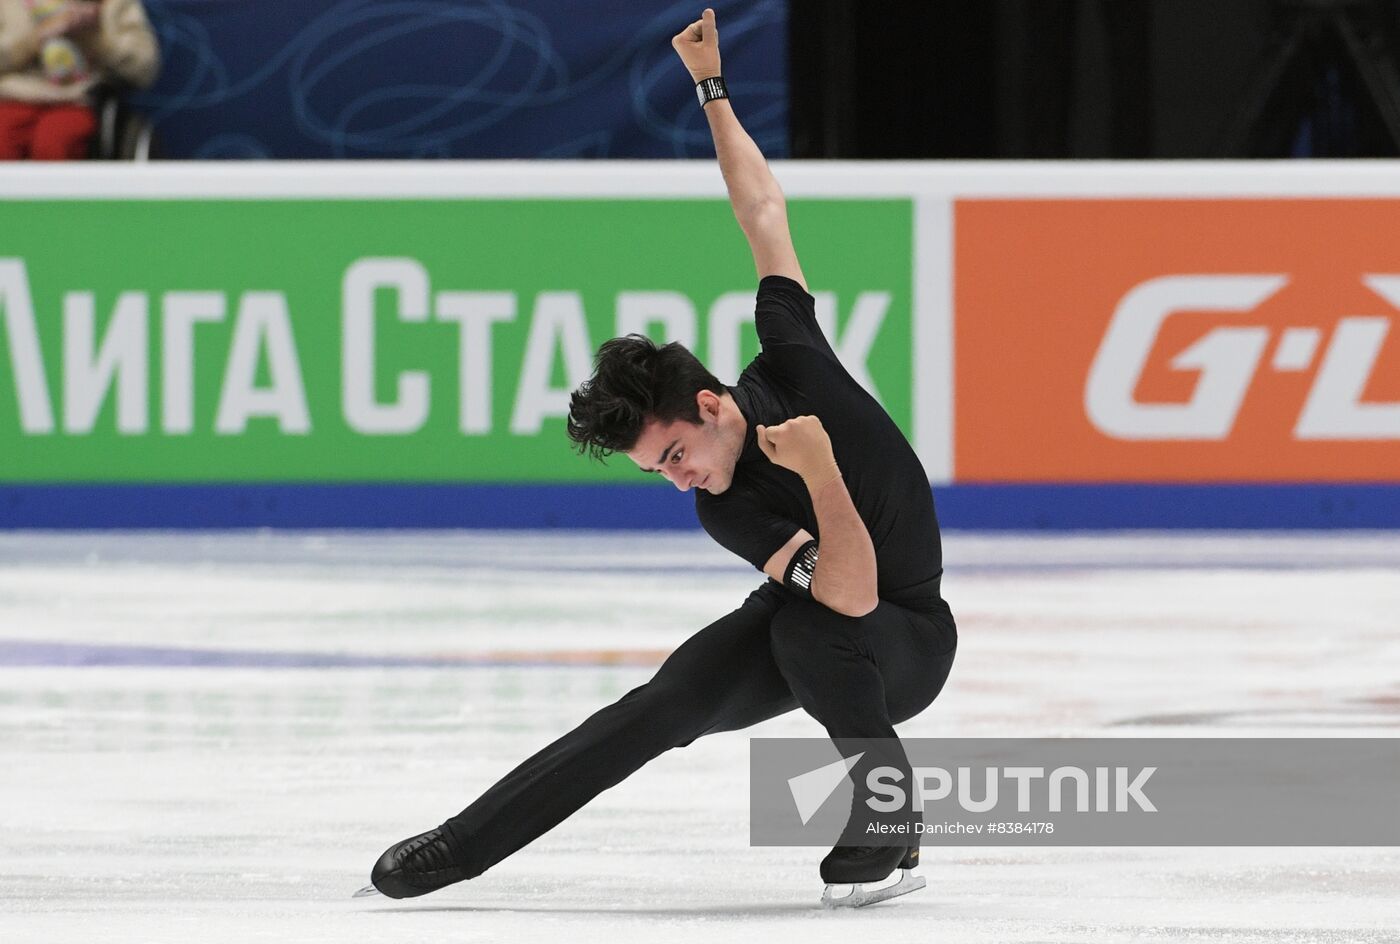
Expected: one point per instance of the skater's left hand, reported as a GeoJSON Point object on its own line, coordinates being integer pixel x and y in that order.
{"type": "Point", "coordinates": [802, 445]}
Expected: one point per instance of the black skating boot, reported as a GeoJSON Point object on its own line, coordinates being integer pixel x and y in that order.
{"type": "Point", "coordinates": [850, 865]}
{"type": "Point", "coordinates": [419, 865]}
{"type": "Point", "coordinates": [858, 866]}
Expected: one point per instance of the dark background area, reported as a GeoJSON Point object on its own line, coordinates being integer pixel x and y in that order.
{"type": "Point", "coordinates": [1094, 78]}
{"type": "Point", "coordinates": [469, 79]}
{"type": "Point", "coordinates": [1014, 79]}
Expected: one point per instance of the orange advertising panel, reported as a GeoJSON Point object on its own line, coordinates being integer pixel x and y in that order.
{"type": "Point", "coordinates": [1177, 340]}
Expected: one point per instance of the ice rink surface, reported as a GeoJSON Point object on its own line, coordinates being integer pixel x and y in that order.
{"type": "Point", "coordinates": [210, 738]}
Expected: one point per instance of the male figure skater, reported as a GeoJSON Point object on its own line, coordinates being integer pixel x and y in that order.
{"type": "Point", "coordinates": [800, 472]}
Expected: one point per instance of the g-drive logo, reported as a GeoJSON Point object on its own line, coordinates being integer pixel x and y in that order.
{"type": "Point", "coordinates": [1229, 358]}
{"type": "Point", "coordinates": [1061, 789]}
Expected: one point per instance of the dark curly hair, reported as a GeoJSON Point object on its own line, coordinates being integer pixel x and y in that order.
{"type": "Point", "coordinates": [634, 381]}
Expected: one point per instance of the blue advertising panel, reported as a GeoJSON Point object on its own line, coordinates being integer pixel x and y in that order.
{"type": "Point", "coordinates": [453, 78]}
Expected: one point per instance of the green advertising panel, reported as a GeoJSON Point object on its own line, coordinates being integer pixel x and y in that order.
{"type": "Point", "coordinates": [388, 340]}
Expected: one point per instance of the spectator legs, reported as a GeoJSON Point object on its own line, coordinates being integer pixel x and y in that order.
{"type": "Point", "coordinates": [16, 128]}
{"type": "Point", "coordinates": [45, 132]}
{"type": "Point", "coordinates": [63, 133]}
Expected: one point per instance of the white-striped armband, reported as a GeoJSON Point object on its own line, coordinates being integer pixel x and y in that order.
{"type": "Point", "coordinates": [798, 577]}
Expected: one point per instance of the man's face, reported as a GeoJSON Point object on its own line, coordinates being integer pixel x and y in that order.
{"type": "Point", "coordinates": [690, 455]}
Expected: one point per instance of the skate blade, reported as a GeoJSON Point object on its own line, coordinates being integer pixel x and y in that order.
{"type": "Point", "coordinates": [366, 892]}
{"type": "Point", "coordinates": [860, 895]}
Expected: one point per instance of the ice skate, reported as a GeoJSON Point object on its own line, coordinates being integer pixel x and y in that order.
{"type": "Point", "coordinates": [861, 867]}
{"type": "Point", "coordinates": [414, 867]}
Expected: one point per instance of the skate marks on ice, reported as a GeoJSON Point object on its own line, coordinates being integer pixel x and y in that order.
{"type": "Point", "coordinates": [1380, 712]}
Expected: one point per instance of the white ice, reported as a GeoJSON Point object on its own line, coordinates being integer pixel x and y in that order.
{"type": "Point", "coordinates": [216, 805]}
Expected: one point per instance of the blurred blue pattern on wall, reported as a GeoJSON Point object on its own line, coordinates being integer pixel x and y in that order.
{"type": "Point", "coordinates": [454, 78]}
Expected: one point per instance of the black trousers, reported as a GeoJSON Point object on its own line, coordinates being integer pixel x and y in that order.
{"type": "Point", "coordinates": [857, 676]}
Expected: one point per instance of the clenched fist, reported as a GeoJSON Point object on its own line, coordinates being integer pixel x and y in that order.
{"type": "Point", "coordinates": [802, 445]}
{"type": "Point", "coordinates": [698, 47]}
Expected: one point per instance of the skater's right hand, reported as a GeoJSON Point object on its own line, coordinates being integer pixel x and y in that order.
{"type": "Point", "coordinates": [698, 47]}
{"type": "Point", "coordinates": [802, 445]}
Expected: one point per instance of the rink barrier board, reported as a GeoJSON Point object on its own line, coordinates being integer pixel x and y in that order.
{"type": "Point", "coordinates": [1019, 507]}
{"type": "Point", "coordinates": [1270, 465]}
{"type": "Point", "coordinates": [422, 340]}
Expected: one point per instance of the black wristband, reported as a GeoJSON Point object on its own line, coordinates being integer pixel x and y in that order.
{"type": "Point", "coordinates": [707, 90]}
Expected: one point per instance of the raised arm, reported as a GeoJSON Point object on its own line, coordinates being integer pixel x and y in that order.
{"type": "Point", "coordinates": [753, 190]}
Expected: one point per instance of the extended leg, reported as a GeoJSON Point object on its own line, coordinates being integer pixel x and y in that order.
{"type": "Point", "coordinates": [721, 678]}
